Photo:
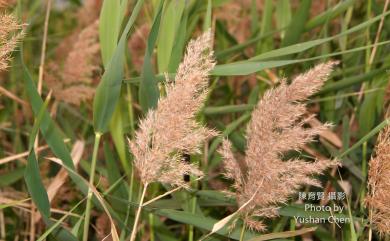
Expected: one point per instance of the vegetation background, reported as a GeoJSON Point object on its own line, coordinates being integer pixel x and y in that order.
{"type": "Point", "coordinates": [115, 53]}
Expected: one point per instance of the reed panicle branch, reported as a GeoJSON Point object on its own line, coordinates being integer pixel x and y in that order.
{"type": "Point", "coordinates": [138, 213]}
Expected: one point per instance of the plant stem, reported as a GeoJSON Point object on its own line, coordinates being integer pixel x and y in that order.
{"type": "Point", "coordinates": [130, 110]}
{"type": "Point", "coordinates": [129, 200]}
{"type": "Point", "coordinates": [191, 233]}
{"type": "Point", "coordinates": [134, 232]}
{"type": "Point", "coordinates": [242, 232]}
{"type": "Point", "coordinates": [193, 210]}
{"type": "Point", "coordinates": [43, 50]}
{"type": "Point", "coordinates": [369, 228]}
{"type": "Point", "coordinates": [39, 89]}
{"type": "Point", "coordinates": [91, 179]}
{"type": "Point", "coordinates": [151, 222]}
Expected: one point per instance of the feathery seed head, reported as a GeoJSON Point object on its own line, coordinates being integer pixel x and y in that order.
{"type": "Point", "coordinates": [379, 185]}
{"type": "Point", "coordinates": [10, 34]}
{"type": "Point", "coordinates": [277, 127]}
{"type": "Point", "coordinates": [170, 131]}
{"type": "Point", "coordinates": [6, 3]}
{"type": "Point", "coordinates": [71, 83]}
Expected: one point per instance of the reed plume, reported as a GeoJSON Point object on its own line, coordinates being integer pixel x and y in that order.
{"type": "Point", "coordinates": [277, 127]}
{"type": "Point", "coordinates": [7, 3]}
{"type": "Point", "coordinates": [10, 34]}
{"type": "Point", "coordinates": [89, 12]}
{"type": "Point", "coordinates": [72, 81]}
{"type": "Point", "coordinates": [378, 184]}
{"type": "Point", "coordinates": [170, 131]}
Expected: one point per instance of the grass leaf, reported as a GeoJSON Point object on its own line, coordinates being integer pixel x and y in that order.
{"type": "Point", "coordinates": [148, 91]}
{"type": "Point", "coordinates": [108, 91]}
{"type": "Point", "coordinates": [109, 26]}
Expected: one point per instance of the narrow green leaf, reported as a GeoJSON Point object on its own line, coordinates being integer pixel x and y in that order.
{"type": "Point", "coordinates": [292, 49]}
{"type": "Point", "coordinates": [283, 13]}
{"type": "Point", "coordinates": [223, 53]}
{"type": "Point", "coordinates": [216, 110]}
{"type": "Point", "coordinates": [58, 223]}
{"type": "Point", "coordinates": [373, 132]}
{"type": "Point", "coordinates": [35, 186]}
{"type": "Point", "coordinates": [31, 175]}
{"type": "Point", "coordinates": [228, 130]}
{"type": "Point", "coordinates": [254, 18]}
{"type": "Point", "coordinates": [347, 82]}
{"type": "Point", "coordinates": [148, 91]}
{"type": "Point", "coordinates": [49, 131]}
{"type": "Point", "coordinates": [108, 91]}
{"type": "Point", "coordinates": [52, 137]}
{"type": "Point", "coordinates": [266, 26]}
{"type": "Point", "coordinates": [351, 224]}
{"type": "Point", "coordinates": [297, 27]}
{"type": "Point", "coordinates": [367, 113]}
{"type": "Point", "coordinates": [7, 179]}
{"type": "Point", "coordinates": [202, 222]}
{"type": "Point", "coordinates": [208, 16]}
{"type": "Point", "coordinates": [35, 128]}
{"type": "Point", "coordinates": [109, 26]}
{"type": "Point", "coordinates": [170, 23]}
{"type": "Point", "coordinates": [115, 125]}
{"type": "Point", "coordinates": [113, 172]}
{"type": "Point", "coordinates": [333, 12]}
{"type": "Point", "coordinates": [248, 67]}
{"type": "Point", "coordinates": [180, 41]}
{"type": "Point", "coordinates": [117, 133]}
{"type": "Point", "coordinates": [286, 234]}
{"type": "Point", "coordinates": [300, 47]}
{"type": "Point", "coordinates": [13, 203]}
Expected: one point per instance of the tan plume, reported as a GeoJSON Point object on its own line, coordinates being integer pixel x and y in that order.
{"type": "Point", "coordinates": [277, 127]}
{"type": "Point", "coordinates": [7, 3]}
{"type": "Point", "coordinates": [170, 131]}
{"type": "Point", "coordinates": [378, 184]}
{"type": "Point", "coordinates": [72, 82]}
{"type": "Point", "coordinates": [10, 34]}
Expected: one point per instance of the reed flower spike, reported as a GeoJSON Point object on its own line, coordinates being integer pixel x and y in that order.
{"type": "Point", "coordinates": [379, 185]}
{"type": "Point", "coordinates": [10, 34]}
{"type": "Point", "coordinates": [277, 127]}
{"type": "Point", "coordinates": [72, 82]}
{"type": "Point", "coordinates": [170, 131]}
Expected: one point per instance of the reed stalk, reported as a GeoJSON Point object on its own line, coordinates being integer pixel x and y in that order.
{"type": "Point", "coordinates": [242, 233]}
{"type": "Point", "coordinates": [138, 214]}
{"type": "Point", "coordinates": [91, 178]}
